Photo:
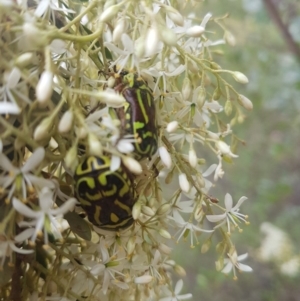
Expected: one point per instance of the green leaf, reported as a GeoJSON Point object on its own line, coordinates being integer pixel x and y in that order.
{"type": "Point", "coordinates": [78, 225]}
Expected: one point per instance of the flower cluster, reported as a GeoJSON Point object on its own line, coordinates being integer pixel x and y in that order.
{"type": "Point", "coordinates": [67, 95]}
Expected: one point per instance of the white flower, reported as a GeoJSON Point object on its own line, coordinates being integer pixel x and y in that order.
{"type": "Point", "coordinates": [128, 53]}
{"type": "Point", "coordinates": [181, 206]}
{"type": "Point", "coordinates": [199, 114]}
{"type": "Point", "coordinates": [108, 267]}
{"type": "Point", "coordinates": [224, 149]}
{"type": "Point", "coordinates": [12, 88]}
{"type": "Point", "coordinates": [231, 214]}
{"type": "Point", "coordinates": [187, 226]}
{"type": "Point", "coordinates": [45, 217]}
{"type": "Point", "coordinates": [174, 296]}
{"type": "Point", "coordinates": [7, 246]}
{"type": "Point", "coordinates": [21, 178]}
{"type": "Point", "coordinates": [157, 72]}
{"type": "Point", "coordinates": [47, 9]}
{"type": "Point", "coordinates": [233, 262]}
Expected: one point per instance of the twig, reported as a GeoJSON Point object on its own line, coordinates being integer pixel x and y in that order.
{"type": "Point", "coordinates": [274, 13]}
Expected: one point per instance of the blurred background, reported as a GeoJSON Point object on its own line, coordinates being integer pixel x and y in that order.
{"type": "Point", "coordinates": [267, 171]}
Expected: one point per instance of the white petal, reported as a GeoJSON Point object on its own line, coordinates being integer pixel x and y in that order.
{"type": "Point", "coordinates": [98, 269]}
{"type": "Point", "coordinates": [24, 235]}
{"type": "Point", "coordinates": [227, 269]}
{"type": "Point", "coordinates": [9, 108]}
{"type": "Point", "coordinates": [216, 218]}
{"type": "Point", "coordinates": [42, 7]}
{"type": "Point", "coordinates": [64, 208]}
{"type": "Point", "coordinates": [178, 287]}
{"type": "Point", "coordinates": [205, 19]}
{"type": "Point", "coordinates": [239, 203]}
{"type": "Point", "coordinates": [115, 163]}
{"type": "Point", "coordinates": [209, 171]}
{"type": "Point", "coordinates": [228, 202]}
{"type": "Point", "coordinates": [13, 78]}
{"type": "Point", "coordinates": [185, 297]}
{"type": "Point", "coordinates": [24, 210]}
{"type": "Point", "coordinates": [242, 257]}
{"type": "Point", "coordinates": [39, 182]}
{"type": "Point", "coordinates": [21, 251]}
{"type": "Point", "coordinates": [34, 160]}
{"type": "Point", "coordinates": [6, 164]}
{"type": "Point", "coordinates": [143, 279]}
{"type": "Point", "coordinates": [244, 268]}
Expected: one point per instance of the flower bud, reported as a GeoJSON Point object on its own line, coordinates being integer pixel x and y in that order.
{"type": "Point", "coordinates": [206, 246]}
{"type": "Point", "coordinates": [245, 102]}
{"type": "Point", "coordinates": [95, 147]}
{"type": "Point", "coordinates": [109, 13]}
{"type": "Point", "coordinates": [213, 135]}
{"type": "Point", "coordinates": [184, 183]}
{"type": "Point", "coordinates": [133, 165]}
{"type": "Point", "coordinates": [164, 233]}
{"type": "Point", "coordinates": [228, 107]}
{"type": "Point", "coordinates": [199, 214]}
{"type": "Point", "coordinates": [147, 211]}
{"type": "Point", "coordinates": [168, 36]}
{"type": "Point", "coordinates": [24, 59]}
{"type": "Point", "coordinates": [152, 40]}
{"type": "Point", "coordinates": [44, 88]}
{"type": "Point", "coordinates": [165, 157]}
{"type": "Point", "coordinates": [111, 82]}
{"type": "Point", "coordinates": [219, 264]}
{"type": "Point", "coordinates": [169, 177]}
{"type": "Point", "coordinates": [34, 35]}
{"type": "Point", "coordinates": [179, 270]}
{"type": "Point", "coordinates": [71, 159]}
{"type": "Point", "coordinates": [131, 244]}
{"type": "Point", "coordinates": [193, 158]}
{"type": "Point", "coordinates": [136, 210]}
{"type": "Point", "coordinates": [172, 126]}
{"type": "Point", "coordinates": [186, 88]}
{"type": "Point", "coordinates": [240, 77]}
{"type": "Point", "coordinates": [43, 129]}
{"type": "Point", "coordinates": [225, 149]}
{"type": "Point", "coordinates": [119, 29]}
{"type": "Point", "coordinates": [174, 15]}
{"type": "Point", "coordinates": [143, 279]}
{"type": "Point", "coordinates": [110, 97]}
{"type": "Point", "coordinates": [229, 38]}
{"type": "Point", "coordinates": [164, 249]}
{"type": "Point", "coordinates": [201, 97]}
{"type": "Point", "coordinates": [163, 209]}
{"type": "Point", "coordinates": [217, 94]}
{"type": "Point", "coordinates": [195, 31]}
{"type": "Point", "coordinates": [66, 121]}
